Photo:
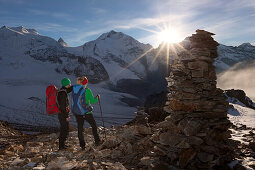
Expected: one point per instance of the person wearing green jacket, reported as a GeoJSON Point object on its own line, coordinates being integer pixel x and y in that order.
{"type": "Point", "coordinates": [89, 99]}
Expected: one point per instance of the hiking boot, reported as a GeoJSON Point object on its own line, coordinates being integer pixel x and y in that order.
{"type": "Point", "coordinates": [62, 148]}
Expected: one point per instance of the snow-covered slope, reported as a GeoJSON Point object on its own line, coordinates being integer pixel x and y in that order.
{"type": "Point", "coordinates": [229, 56]}
{"type": "Point", "coordinates": [242, 110]}
{"type": "Point", "coordinates": [30, 62]}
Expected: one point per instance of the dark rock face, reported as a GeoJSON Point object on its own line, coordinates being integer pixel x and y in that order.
{"type": "Point", "coordinates": [153, 106]}
{"type": "Point", "coordinates": [131, 102]}
{"type": "Point", "coordinates": [62, 42]}
{"type": "Point", "coordinates": [71, 64]}
{"type": "Point", "coordinates": [136, 87]}
{"type": "Point", "coordinates": [49, 54]}
{"type": "Point", "coordinates": [241, 96]}
{"type": "Point", "coordinates": [155, 100]}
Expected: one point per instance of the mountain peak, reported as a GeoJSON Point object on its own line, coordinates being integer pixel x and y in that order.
{"type": "Point", "coordinates": [20, 29]}
{"type": "Point", "coordinates": [112, 34]}
{"type": "Point", "coordinates": [245, 44]}
{"type": "Point", "coordinates": [62, 42]}
{"type": "Point", "coordinates": [4, 27]}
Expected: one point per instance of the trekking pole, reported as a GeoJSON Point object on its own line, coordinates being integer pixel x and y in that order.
{"type": "Point", "coordinates": [99, 102]}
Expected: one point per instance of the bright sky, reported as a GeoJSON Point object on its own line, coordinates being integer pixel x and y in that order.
{"type": "Point", "coordinates": [79, 21]}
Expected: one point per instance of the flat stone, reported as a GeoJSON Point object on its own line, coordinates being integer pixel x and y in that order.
{"type": "Point", "coordinates": [183, 144]}
{"type": "Point", "coordinates": [186, 156]}
{"type": "Point", "coordinates": [189, 128]}
{"type": "Point", "coordinates": [110, 143]}
{"type": "Point", "coordinates": [147, 161]}
{"type": "Point", "coordinates": [176, 105]}
{"type": "Point", "coordinates": [62, 163]}
{"type": "Point", "coordinates": [205, 157]}
{"type": "Point", "coordinates": [252, 145]}
{"type": "Point", "coordinates": [168, 138]}
{"type": "Point", "coordinates": [193, 140]}
{"type": "Point", "coordinates": [198, 65]}
{"type": "Point", "coordinates": [168, 125]}
{"type": "Point", "coordinates": [17, 161]}
{"type": "Point", "coordinates": [197, 73]}
{"type": "Point", "coordinates": [144, 130]}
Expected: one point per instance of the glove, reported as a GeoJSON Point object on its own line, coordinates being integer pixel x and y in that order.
{"type": "Point", "coordinates": [67, 109]}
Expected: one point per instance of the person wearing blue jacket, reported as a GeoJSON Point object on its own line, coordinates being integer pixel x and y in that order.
{"type": "Point", "coordinates": [88, 116]}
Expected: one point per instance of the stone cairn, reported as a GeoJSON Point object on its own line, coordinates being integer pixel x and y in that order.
{"type": "Point", "coordinates": [197, 135]}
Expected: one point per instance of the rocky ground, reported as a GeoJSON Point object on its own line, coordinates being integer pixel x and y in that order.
{"type": "Point", "coordinates": [245, 151]}
{"type": "Point", "coordinates": [122, 149]}
{"type": "Point", "coordinates": [125, 147]}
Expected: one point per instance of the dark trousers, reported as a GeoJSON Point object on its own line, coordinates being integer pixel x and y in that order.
{"type": "Point", "coordinates": [64, 129]}
{"type": "Point", "coordinates": [80, 121]}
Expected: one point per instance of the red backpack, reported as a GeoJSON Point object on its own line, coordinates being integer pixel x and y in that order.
{"type": "Point", "coordinates": [51, 100]}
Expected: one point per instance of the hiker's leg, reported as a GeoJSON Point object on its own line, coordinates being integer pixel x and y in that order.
{"type": "Point", "coordinates": [80, 122]}
{"type": "Point", "coordinates": [66, 130]}
{"type": "Point", "coordinates": [63, 128]}
{"type": "Point", "coordinates": [90, 119]}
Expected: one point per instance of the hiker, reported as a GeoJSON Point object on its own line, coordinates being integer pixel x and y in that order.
{"type": "Point", "coordinates": [86, 115]}
{"type": "Point", "coordinates": [63, 116]}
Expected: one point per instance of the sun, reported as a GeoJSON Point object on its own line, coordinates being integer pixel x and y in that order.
{"type": "Point", "coordinates": [169, 36]}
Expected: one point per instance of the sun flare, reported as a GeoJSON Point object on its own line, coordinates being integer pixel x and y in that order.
{"type": "Point", "coordinates": [169, 36]}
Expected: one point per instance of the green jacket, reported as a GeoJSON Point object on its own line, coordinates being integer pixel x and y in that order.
{"type": "Point", "coordinates": [90, 99]}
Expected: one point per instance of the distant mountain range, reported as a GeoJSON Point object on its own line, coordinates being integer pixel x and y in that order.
{"type": "Point", "coordinates": [30, 61]}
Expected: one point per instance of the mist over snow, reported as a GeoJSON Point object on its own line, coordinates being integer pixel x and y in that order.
{"type": "Point", "coordinates": [240, 76]}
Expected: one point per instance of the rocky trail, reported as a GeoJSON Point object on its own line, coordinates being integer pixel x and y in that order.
{"type": "Point", "coordinates": [125, 147]}
{"type": "Point", "coordinates": [122, 149]}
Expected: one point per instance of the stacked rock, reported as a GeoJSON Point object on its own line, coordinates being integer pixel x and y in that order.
{"type": "Point", "coordinates": [198, 110]}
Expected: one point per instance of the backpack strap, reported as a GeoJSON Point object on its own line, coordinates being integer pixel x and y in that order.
{"type": "Point", "coordinates": [61, 90]}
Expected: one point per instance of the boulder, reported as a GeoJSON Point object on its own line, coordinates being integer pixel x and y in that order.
{"type": "Point", "coordinates": [144, 130]}
{"type": "Point", "coordinates": [17, 161]}
{"type": "Point", "coordinates": [110, 143]}
{"type": "Point", "coordinates": [205, 157]}
{"type": "Point", "coordinates": [61, 163]}
{"type": "Point", "coordinates": [170, 139]}
{"type": "Point", "coordinates": [252, 145]}
{"type": "Point", "coordinates": [186, 156]}
{"type": "Point", "coordinates": [147, 161]}
{"type": "Point", "coordinates": [189, 127]}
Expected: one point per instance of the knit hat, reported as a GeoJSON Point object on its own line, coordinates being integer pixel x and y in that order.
{"type": "Point", "coordinates": [65, 82]}
{"type": "Point", "coordinates": [84, 81]}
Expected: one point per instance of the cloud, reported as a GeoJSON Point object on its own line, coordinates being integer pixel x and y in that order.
{"type": "Point", "coordinates": [223, 17]}
{"type": "Point", "coordinates": [81, 36]}
{"type": "Point", "coordinates": [59, 15]}
{"type": "Point", "coordinates": [124, 24]}
{"type": "Point", "coordinates": [53, 27]}
{"type": "Point", "coordinates": [98, 10]}
{"type": "Point", "coordinates": [240, 76]}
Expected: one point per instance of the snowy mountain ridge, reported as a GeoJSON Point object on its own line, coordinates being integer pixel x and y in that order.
{"type": "Point", "coordinates": [29, 62]}
{"type": "Point", "coordinates": [229, 55]}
